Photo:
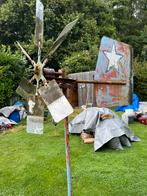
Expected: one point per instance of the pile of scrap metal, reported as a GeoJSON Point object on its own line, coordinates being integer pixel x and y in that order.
{"type": "Point", "coordinates": [102, 127]}
{"type": "Point", "coordinates": [11, 115]}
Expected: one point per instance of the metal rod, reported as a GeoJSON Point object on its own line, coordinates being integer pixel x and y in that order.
{"type": "Point", "coordinates": [67, 148]}
{"type": "Point", "coordinates": [39, 52]}
{"type": "Point", "coordinates": [102, 81]}
{"type": "Point", "coordinates": [25, 53]}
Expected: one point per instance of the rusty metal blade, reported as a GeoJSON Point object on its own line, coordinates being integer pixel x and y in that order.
{"type": "Point", "coordinates": [67, 29]}
{"type": "Point", "coordinates": [39, 23]}
{"type": "Point", "coordinates": [26, 89]}
{"type": "Point", "coordinates": [25, 53]}
{"type": "Point", "coordinates": [36, 105]}
{"type": "Point", "coordinates": [55, 101]}
{"type": "Point", "coordinates": [60, 38]}
{"type": "Point", "coordinates": [50, 93]}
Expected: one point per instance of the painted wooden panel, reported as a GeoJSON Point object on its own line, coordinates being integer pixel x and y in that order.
{"type": "Point", "coordinates": [113, 64]}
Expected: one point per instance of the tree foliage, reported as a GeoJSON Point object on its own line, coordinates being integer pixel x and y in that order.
{"type": "Point", "coordinates": [84, 60]}
{"type": "Point", "coordinates": [95, 20]}
{"type": "Point", "coordinates": [130, 21]}
{"type": "Point", "coordinates": [140, 79]}
{"type": "Point", "coordinates": [121, 19]}
{"type": "Point", "coordinates": [124, 20]}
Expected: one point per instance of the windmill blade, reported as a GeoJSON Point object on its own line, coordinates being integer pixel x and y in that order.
{"type": "Point", "coordinates": [35, 119]}
{"type": "Point", "coordinates": [35, 107]}
{"type": "Point", "coordinates": [35, 115]}
{"type": "Point", "coordinates": [39, 24]}
{"type": "Point", "coordinates": [25, 53]}
{"type": "Point", "coordinates": [35, 124]}
{"type": "Point", "coordinates": [55, 101]}
{"type": "Point", "coordinates": [26, 89]}
{"type": "Point", "coordinates": [60, 39]}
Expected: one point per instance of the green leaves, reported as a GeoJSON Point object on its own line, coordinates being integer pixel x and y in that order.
{"type": "Point", "coordinates": [80, 61]}
{"type": "Point", "coordinates": [16, 21]}
{"type": "Point", "coordinates": [130, 20]}
{"type": "Point", "coordinates": [12, 67]}
{"type": "Point", "coordinates": [140, 79]}
{"type": "Point", "coordinates": [124, 20]}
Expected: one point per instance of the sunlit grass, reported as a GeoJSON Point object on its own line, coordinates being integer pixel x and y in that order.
{"type": "Point", "coordinates": [35, 164]}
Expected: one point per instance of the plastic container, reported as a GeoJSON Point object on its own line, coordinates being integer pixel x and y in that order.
{"type": "Point", "coordinates": [129, 112]}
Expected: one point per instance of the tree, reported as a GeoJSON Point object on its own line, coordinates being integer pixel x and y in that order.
{"type": "Point", "coordinates": [130, 19]}
{"type": "Point", "coordinates": [95, 20]}
{"type": "Point", "coordinates": [16, 21]}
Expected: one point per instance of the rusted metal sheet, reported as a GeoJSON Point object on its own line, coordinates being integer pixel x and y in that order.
{"type": "Point", "coordinates": [26, 89]}
{"type": "Point", "coordinates": [85, 90]}
{"type": "Point", "coordinates": [113, 65]}
{"type": "Point", "coordinates": [36, 105]}
{"type": "Point", "coordinates": [72, 95]}
{"type": "Point", "coordinates": [110, 95]}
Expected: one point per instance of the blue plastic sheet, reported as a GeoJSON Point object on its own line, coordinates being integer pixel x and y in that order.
{"type": "Point", "coordinates": [15, 116]}
{"type": "Point", "coordinates": [134, 105]}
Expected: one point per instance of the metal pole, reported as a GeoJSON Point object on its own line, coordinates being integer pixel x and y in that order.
{"type": "Point", "coordinates": [39, 52]}
{"type": "Point", "coordinates": [67, 148]}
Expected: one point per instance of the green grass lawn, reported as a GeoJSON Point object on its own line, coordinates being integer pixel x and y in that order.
{"type": "Point", "coordinates": [34, 165]}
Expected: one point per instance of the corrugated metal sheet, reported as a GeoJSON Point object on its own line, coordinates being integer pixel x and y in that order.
{"type": "Point", "coordinates": [85, 91]}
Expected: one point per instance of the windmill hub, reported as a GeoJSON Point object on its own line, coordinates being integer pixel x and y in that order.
{"type": "Point", "coordinates": [38, 70]}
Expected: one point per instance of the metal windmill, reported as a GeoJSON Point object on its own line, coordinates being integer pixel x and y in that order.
{"type": "Point", "coordinates": [45, 93]}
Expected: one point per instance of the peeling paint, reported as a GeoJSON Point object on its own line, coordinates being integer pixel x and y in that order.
{"type": "Point", "coordinates": [113, 64]}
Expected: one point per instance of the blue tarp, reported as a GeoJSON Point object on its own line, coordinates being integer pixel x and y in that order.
{"type": "Point", "coordinates": [15, 115]}
{"type": "Point", "coordinates": [134, 105]}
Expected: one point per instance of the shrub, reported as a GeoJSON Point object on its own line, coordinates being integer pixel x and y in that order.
{"type": "Point", "coordinates": [140, 79]}
{"type": "Point", "coordinates": [80, 61]}
{"type": "Point", "coordinates": [12, 66]}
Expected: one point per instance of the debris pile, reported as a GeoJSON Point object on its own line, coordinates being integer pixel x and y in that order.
{"type": "Point", "coordinates": [11, 115]}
